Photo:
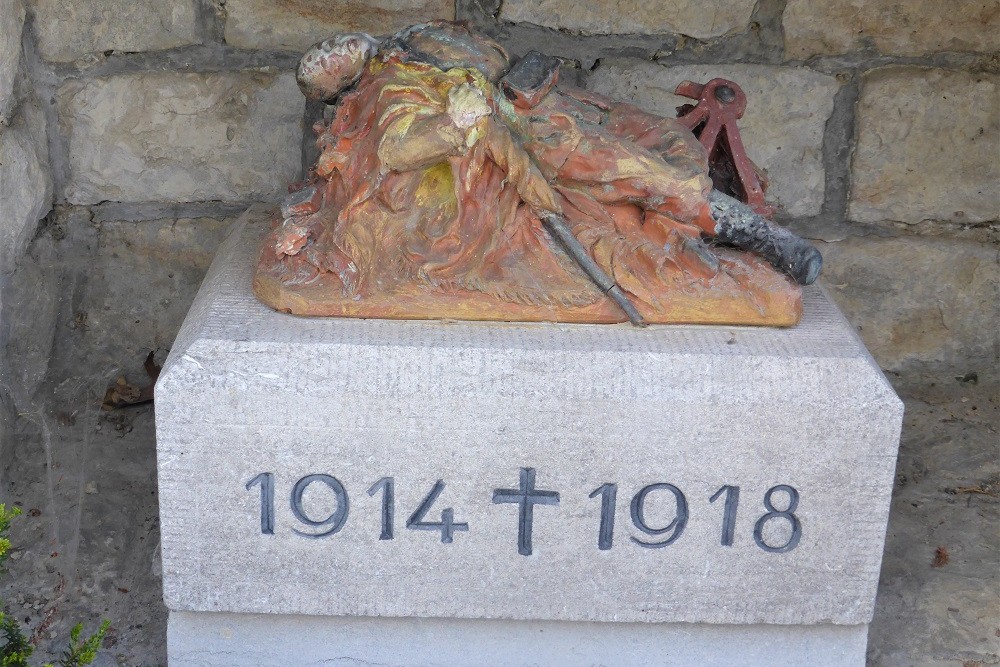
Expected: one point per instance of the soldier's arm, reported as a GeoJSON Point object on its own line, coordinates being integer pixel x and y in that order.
{"type": "Point", "coordinates": [413, 142]}
{"type": "Point", "coordinates": [416, 140]}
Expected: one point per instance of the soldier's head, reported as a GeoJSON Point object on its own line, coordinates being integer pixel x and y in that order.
{"type": "Point", "coordinates": [333, 65]}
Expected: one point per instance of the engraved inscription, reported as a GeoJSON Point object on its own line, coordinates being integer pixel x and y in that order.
{"type": "Point", "coordinates": [337, 518]}
{"type": "Point", "coordinates": [266, 481]}
{"type": "Point", "coordinates": [788, 513]}
{"type": "Point", "coordinates": [728, 512]}
{"type": "Point", "coordinates": [526, 497]}
{"type": "Point", "coordinates": [606, 531]}
{"type": "Point", "coordinates": [674, 528]}
{"type": "Point", "coordinates": [446, 525]}
{"type": "Point", "coordinates": [645, 510]}
{"type": "Point", "coordinates": [388, 485]}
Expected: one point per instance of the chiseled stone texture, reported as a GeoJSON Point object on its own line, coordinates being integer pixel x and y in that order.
{"type": "Point", "coordinates": [925, 300]}
{"type": "Point", "coordinates": [927, 148]}
{"type": "Point", "coordinates": [294, 25]}
{"type": "Point", "coordinates": [225, 640]}
{"type": "Point", "coordinates": [68, 30]}
{"type": "Point", "coordinates": [25, 183]}
{"type": "Point", "coordinates": [160, 136]}
{"type": "Point", "coordinates": [894, 27]}
{"type": "Point", "coordinates": [11, 23]}
{"type": "Point", "coordinates": [782, 129]}
{"type": "Point", "coordinates": [248, 390]}
{"type": "Point", "coordinates": [697, 18]}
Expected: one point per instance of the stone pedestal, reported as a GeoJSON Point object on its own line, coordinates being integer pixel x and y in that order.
{"type": "Point", "coordinates": [431, 493]}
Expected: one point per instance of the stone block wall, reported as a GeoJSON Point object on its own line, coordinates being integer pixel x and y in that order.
{"type": "Point", "coordinates": [877, 121]}
{"type": "Point", "coordinates": [25, 178]}
{"type": "Point", "coordinates": [132, 132]}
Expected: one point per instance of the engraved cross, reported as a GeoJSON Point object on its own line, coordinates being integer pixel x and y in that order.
{"type": "Point", "coordinates": [527, 497]}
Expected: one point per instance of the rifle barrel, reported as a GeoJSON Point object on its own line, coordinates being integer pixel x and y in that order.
{"type": "Point", "coordinates": [560, 230]}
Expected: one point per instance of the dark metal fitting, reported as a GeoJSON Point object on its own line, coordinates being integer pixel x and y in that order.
{"type": "Point", "coordinates": [725, 94]}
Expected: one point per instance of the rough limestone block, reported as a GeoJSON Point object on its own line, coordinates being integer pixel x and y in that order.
{"type": "Point", "coordinates": [68, 30]}
{"type": "Point", "coordinates": [295, 25]}
{"type": "Point", "coordinates": [927, 147]}
{"type": "Point", "coordinates": [699, 19]}
{"type": "Point", "coordinates": [25, 183]}
{"type": "Point", "coordinates": [910, 28]}
{"type": "Point", "coordinates": [787, 110]}
{"type": "Point", "coordinates": [473, 428]}
{"type": "Point", "coordinates": [11, 23]}
{"type": "Point", "coordinates": [160, 136]}
{"type": "Point", "coordinates": [947, 317]}
{"type": "Point", "coordinates": [222, 640]}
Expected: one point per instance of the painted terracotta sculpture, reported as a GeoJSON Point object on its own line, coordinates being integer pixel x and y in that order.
{"type": "Point", "coordinates": [454, 183]}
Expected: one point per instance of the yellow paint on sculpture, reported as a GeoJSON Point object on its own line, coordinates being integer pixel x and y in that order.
{"type": "Point", "coordinates": [437, 188]}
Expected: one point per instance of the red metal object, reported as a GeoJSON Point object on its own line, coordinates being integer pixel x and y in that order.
{"type": "Point", "coordinates": [713, 120]}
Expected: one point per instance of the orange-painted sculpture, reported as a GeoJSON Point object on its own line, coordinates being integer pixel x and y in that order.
{"type": "Point", "coordinates": [454, 184]}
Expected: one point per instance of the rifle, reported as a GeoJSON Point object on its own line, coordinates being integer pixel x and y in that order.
{"type": "Point", "coordinates": [557, 226]}
{"type": "Point", "coordinates": [736, 224]}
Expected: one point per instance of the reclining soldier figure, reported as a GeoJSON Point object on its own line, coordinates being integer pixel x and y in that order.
{"type": "Point", "coordinates": [454, 185]}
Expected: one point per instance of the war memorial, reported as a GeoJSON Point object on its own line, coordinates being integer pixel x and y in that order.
{"type": "Point", "coordinates": [519, 374]}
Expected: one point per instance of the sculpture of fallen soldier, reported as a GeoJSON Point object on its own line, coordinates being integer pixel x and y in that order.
{"type": "Point", "coordinates": [454, 185]}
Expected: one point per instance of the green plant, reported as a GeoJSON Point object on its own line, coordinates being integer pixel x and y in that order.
{"type": "Point", "coordinates": [6, 516]}
{"type": "Point", "coordinates": [15, 648]}
{"type": "Point", "coordinates": [82, 652]}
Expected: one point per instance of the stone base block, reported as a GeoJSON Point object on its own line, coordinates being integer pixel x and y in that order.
{"type": "Point", "coordinates": [210, 640]}
{"type": "Point", "coordinates": [493, 491]}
